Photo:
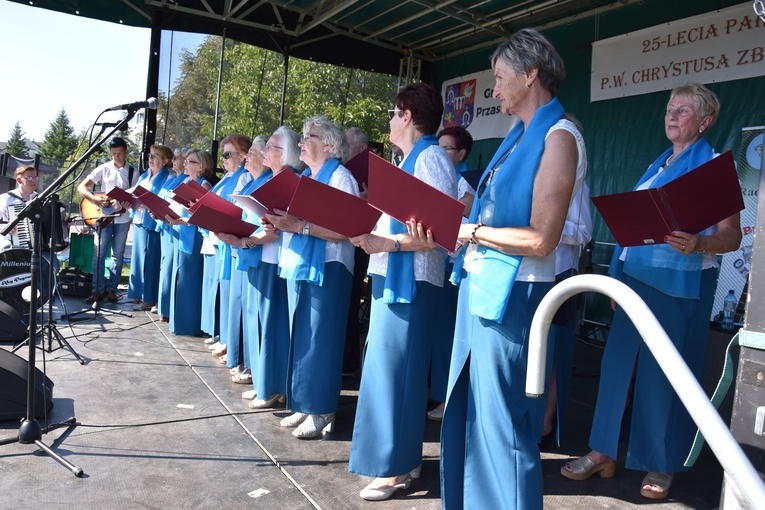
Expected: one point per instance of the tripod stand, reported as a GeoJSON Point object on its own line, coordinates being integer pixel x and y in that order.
{"type": "Point", "coordinates": [49, 326]}
{"type": "Point", "coordinates": [96, 307]}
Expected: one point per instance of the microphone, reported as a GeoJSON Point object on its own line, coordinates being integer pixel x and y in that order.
{"type": "Point", "coordinates": [108, 124]}
{"type": "Point", "coordinates": [150, 103]}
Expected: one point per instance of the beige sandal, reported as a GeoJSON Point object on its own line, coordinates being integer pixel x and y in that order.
{"type": "Point", "coordinates": [660, 481]}
{"type": "Point", "coordinates": [583, 468]}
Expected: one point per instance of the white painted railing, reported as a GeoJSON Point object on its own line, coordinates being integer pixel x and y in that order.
{"type": "Point", "coordinates": [739, 472]}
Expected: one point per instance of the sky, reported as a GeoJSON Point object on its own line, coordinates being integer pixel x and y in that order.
{"type": "Point", "coordinates": [53, 61]}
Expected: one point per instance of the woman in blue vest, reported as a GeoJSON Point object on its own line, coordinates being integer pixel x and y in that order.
{"type": "Point", "coordinates": [266, 325]}
{"type": "Point", "coordinates": [490, 429]}
{"type": "Point", "coordinates": [240, 309]}
{"type": "Point", "coordinates": [677, 281]}
{"type": "Point", "coordinates": [168, 238]}
{"type": "Point", "coordinates": [407, 277]}
{"type": "Point", "coordinates": [318, 266]}
{"type": "Point", "coordinates": [145, 256]}
{"type": "Point", "coordinates": [235, 148]}
{"type": "Point", "coordinates": [186, 284]}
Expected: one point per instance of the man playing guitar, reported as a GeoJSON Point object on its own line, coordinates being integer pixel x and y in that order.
{"type": "Point", "coordinates": [114, 174]}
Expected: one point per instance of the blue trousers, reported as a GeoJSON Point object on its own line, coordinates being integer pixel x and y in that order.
{"type": "Point", "coordinates": [116, 235]}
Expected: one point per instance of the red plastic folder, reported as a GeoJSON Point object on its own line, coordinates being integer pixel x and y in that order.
{"type": "Point", "coordinates": [359, 167]}
{"type": "Point", "coordinates": [278, 191]}
{"type": "Point", "coordinates": [691, 203]}
{"type": "Point", "coordinates": [332, 208]}
{"type": "Point", "coordinates": [120, 195]}
{"type": "Point", "coordinates": [218, 203]}
{"type": "Point", "coordinates": [403, 197]}
{"type": "Point", "coordinates": [159, 207]}
{"type": "Point", "coordinates": [186, 193]}
{"type": "Point", "coordinates": [217, 221]}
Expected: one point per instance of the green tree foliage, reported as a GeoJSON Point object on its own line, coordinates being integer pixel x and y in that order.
{"type": "Point", "coordinates": [60, 142]}
{"type": "Point", "coordinates": [16, 145]}
{"type": "Point", "coordinates": [251, 90]}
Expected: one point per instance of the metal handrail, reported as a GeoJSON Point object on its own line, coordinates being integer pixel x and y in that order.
{"type": "Point", "coordinates": [739, 472]}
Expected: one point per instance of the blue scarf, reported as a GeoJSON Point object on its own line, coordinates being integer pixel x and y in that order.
{"type": "Point", "coordinates": [462, 167]}
{"type": "Point", "coordinates": [224, 250]}
{"type": "Point", "coordinates": [506, 202]}
{"type": "Point", "coordinates": [400, 286]}
{"type": "Point", "coordinates": [148, 222]}
{"type": "Point", "coordinates": [187, 233]}
{"type": "Point", "coordinates": [170, 184]}
{"type": "Point", "coordinates": [660, 266]}
{"type": "Point", "coordinates": [252, 256]}
{"type": "Point", "coordinates": [303, 259]}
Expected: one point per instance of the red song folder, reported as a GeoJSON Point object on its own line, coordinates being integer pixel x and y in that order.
{"type": "Point", "coordinates": [120, 195]}
{"type": "Point", "coordinates": [332, 208]}
{"type": "Point", "coordinates": [691, 203]}
{"type": "Point", "coordinates": [213, 201]}
{"type": "Point", "coordinates": [277, 192]}
{"type": "Point", "coordinates": [186, 193]}
{"type": "Point", "coordinates": [359, 167]}
{"type": "Point", "coordinates": [159, 207]}
{"type": "Point", "coordinates": [217, 221]}
{"type": "Point", "coordinates": [403, 197]}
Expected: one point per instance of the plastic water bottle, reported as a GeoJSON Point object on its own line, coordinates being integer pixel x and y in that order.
{"type": "Point", "coordinates": [729, 310]}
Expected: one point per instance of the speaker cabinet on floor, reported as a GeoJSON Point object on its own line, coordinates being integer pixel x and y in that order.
{"type": "Point", "coordinates": [13, 388]}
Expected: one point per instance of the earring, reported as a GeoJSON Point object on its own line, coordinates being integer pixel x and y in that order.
{"type": "Point", "coordinates": [528, 85]}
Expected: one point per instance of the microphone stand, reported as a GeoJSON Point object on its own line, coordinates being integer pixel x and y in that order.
{"type": "Point", "coordinates": [30, 431]}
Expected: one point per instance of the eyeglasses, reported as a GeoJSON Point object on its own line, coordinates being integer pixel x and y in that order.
{"type": "Point", "coordinates": [29, 177]}
{"type": "Point", "coordinates": [227, 155]}
{"type": "Point", "coordinates": [176, 158]}
{"type": "Point", "coordinates": [308, 137]}
{"type": "Point", "coordinates": [270, 147]}
{"type": "Point", "coordinates": [447, 148]}
{"type": "Point", "coordinates": [154, 156]}
{"type": "Point", "coordinates": [191, 162]}
{"type": "Point", "coordinates": [394, 113]}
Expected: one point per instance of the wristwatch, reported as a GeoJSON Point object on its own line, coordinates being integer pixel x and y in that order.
{"type": "Point", "coordinates": [396, 245]}
{"type": "Point", "coordinates": [307, 229]}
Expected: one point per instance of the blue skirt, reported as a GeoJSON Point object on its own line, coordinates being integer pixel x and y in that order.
{"type": "Point", "coordinates": [490, 431]}
{"type": "Point", "coordinates": [319, 318]}
{"type": "Point", "coordinates": [393, 396]}
{"type": "Point", "coordinates": [186, 289]}
{"type": "Point", "coordinates": [144, 265]}
{"type": "Point", "coordinates": [266, 329]}
{"type": "Point", "coordinates": [209, 317]}
{"type": "Point", "coordinates": [165, 272]}
{"type": "Point", "coordinates": [661, 431]}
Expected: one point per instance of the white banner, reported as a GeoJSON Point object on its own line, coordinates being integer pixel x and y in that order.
{"type": "Point", "coordinates": [468, 103]}
{"type": "Point", "coordinates": [723, 45]}
{"type": "Point", "coordinates": [734, 270]}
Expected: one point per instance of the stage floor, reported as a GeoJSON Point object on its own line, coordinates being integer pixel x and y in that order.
{"type": "Point", "coordinates": [161, 425]}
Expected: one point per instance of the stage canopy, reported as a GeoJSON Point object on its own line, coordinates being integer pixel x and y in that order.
{"type": "Point", "coordinates": [364, 34]}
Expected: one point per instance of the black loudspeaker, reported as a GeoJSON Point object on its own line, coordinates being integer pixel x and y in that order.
{"type": "Point", "coordinates": [13, 328]}
{"type": "Point", "coordinates": [13, 388]}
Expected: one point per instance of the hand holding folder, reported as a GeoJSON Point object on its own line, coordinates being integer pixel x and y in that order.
{"type": "Point", "coordinates": [120, 195]}
{"type": "Point", "coordinates": [403, 197]}
{"type": "Point", "coordinates": [332, 208]}
{"type": "Point", "coordinates": [691, 203]}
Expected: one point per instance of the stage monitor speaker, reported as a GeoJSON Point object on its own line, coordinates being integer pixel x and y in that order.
{"type": "Point", "coordinates": [13, 388]}
{"type": "Point", "coordinates": [13, 328]}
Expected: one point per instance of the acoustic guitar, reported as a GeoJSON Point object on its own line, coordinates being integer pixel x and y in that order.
{"type": "Point", "coordinates": [92, 213]}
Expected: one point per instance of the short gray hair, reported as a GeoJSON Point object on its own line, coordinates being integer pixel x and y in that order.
{"type": "Point", "coordinates": [330, 134]}
{"type": "Point", "coordinates": [527, 49]}
{"type": "Point", "coordinates": [290, 149]}
{"type": "Point", "coordinates": [259, 142]}
{"type": "Point", "coordinates": [705, 101]}
{"type": "Point", "coordinates": [359, 136]}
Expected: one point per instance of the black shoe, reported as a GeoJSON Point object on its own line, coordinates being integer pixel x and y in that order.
{"type": "Point", "coordinates": [95, 296]}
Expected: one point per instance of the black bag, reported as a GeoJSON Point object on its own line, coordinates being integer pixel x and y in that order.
{"type": "Point", "coordinates": [75, 282]}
